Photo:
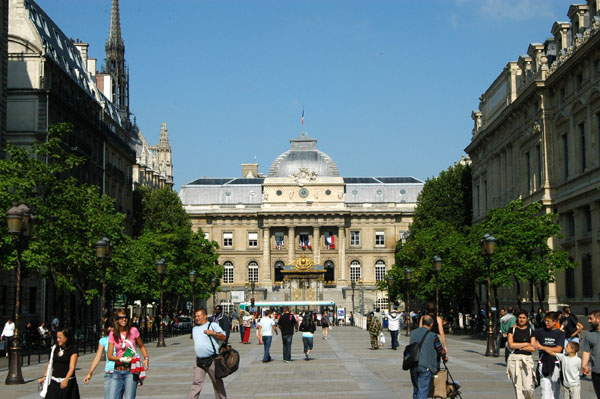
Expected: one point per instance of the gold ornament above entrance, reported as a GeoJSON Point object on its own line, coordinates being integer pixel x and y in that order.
{"type": "Point", "coordinates": [303, 265]}
{"type": "Point", "coordinates": [303, 280]}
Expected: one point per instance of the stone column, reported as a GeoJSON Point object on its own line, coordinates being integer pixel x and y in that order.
{"type": "Point", "coordinates": [291, 244]}
{"type": "Point", "coordinates": [342, 251]}
{"type": "Point", "coordinates": [267, 254]}
{"type": "Point", "coordinates": [317, 244]}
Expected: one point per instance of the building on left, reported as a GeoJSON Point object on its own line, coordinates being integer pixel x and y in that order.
{"type": "Point", "coordinates": [51, 79]}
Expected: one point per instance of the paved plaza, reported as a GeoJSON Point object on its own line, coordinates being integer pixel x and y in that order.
{"type": "Point", "coordinates": [343, 367]}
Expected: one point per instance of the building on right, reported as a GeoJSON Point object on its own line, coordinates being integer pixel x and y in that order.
{"type": "Point", "coordinates": [536, 137]}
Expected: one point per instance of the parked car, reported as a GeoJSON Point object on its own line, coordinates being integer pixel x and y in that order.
{"type": "Point", "coordinates": [184, 323]}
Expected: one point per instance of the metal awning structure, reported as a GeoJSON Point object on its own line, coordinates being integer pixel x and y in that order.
{"type": "Point", "coordinates": [272, 304]}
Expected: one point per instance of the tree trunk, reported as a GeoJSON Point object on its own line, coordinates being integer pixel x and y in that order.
{"type": "Point", "coordinates": [531, 288]}
{"type": "Point", "coordinates": [541, 294]}
{"type": "Point", "coordinates": [518, 298]}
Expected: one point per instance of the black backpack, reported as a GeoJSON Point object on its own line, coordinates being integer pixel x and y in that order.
{"type": "Point", "coordinates": [411, 354]}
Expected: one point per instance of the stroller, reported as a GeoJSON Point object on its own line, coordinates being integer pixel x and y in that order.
{"type": "Point", "coordinates": [444, 386]}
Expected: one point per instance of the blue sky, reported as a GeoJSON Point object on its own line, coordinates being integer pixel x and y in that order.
{"type": "Point", "coordinates": [387, 86]}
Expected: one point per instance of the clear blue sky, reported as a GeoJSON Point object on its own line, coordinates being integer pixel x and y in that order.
{"type": "Point", "coordinates": [387, 86]}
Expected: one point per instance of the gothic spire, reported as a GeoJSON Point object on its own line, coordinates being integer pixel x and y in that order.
{"type": "Point", "coordinates": [114, 37]}
{"type": "Point", "coordinates": [163, 141]}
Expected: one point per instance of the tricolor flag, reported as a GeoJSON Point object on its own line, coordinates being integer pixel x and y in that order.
{"type": "Point", "coordinates": [330, 241]}
{"type": "Point", "coordinates": [303, 116]}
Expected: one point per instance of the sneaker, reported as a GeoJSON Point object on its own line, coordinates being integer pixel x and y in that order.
{"type": "Point", "coordinates": [286, 361]}
{"type": "Point", "coordinates": [306, 355]}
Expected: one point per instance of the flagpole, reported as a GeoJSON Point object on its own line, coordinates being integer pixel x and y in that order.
{"type": "Point", "coordinates": [303, 132]}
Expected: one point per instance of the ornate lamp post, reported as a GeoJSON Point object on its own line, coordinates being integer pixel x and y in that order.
{"type": "Point", "coordinates": [193, 277]}
{"type": "Point", "coordinates": [214, 282]}
{"type": "Point", "coordinates": [104, 253]}
{"type": "Point", "coordinates": [436, 263]}
{"type": "Point", "coordinates": [407, 277]}
{"type": "Point", "coordinates": [353, 285]}
{"type": "Point", "coordinates": [488, 247]}
{"type": "Point", "coordinates": [20, 224]}
{"type": "Point", "coordinates": [161, 268]}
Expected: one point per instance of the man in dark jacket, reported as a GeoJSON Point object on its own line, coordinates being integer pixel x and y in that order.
{"type": "Point", "coordinates": [287, 323]}
{"type": "Point", "coordinates": [223, 320]}
{"type": "Point", "coordinates": [431, 350]}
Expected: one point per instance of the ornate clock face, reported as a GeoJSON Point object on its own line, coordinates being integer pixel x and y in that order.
{"type": "Point", "coordinates": [303, 192]}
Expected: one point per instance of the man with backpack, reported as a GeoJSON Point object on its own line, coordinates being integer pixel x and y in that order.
{"type": "Point", "coordinates": [430, 350]}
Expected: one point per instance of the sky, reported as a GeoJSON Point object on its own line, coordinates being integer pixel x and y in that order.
{"type": "Point", "coordinates": [387, 86]}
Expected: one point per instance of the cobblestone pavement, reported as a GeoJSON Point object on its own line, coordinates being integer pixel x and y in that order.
{"type": "Point", "coordinates": [343, 367]}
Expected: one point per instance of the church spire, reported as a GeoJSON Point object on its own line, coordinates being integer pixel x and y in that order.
{"type": "Point", "coordinates": [163, 141]}
{"type": "Point", "coordinates": [115, 65]}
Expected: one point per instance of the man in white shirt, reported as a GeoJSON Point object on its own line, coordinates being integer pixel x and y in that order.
{"type": "Point", "coordinates": [8, 333]}
{"type": "Point", "coordinates": [394, 326]}
{"type": "Point", "coordinates": [266, 326]}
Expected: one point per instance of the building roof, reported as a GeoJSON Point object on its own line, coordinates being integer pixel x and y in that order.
{"type": "Point", "coordinates": [303, 154]}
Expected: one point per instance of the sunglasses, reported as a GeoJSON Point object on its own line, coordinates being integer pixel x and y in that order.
{"type": "Point", "coordinates": [122, 317]}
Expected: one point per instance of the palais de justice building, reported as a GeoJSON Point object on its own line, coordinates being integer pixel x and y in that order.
{"type": "Point", "coordinates": [303, 213]}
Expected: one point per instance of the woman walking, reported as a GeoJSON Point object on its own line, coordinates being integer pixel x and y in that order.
{"type": "Point", "coordinates": [62, 382]}
{"type": "Point", "coordinates": [520, 366]}
{"type": "Point", "coordinates": [307, 328]}
{"type": "Point", "coordinates": [109, 365]}
{"type": "Point", "coordinates": [374, 330]}
{"type": "Point", "coordinates": [325, 324]}
{"type": "Point", "coordinates": [247, 323]}
{"type": "Point", "coordinates": [124, 338]}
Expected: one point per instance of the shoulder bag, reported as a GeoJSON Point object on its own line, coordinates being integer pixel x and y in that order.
{"type": "Point", "coordinates": [46, 382]}
{"type": "Point", "coordinates": [226, 361]}
{"type": "Point", "coordinates": [411, 354]}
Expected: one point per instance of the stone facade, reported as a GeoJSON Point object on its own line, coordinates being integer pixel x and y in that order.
{"type": "Point", "coordinates": [536, 136]}
{"type": "Point", "coordinates": [303, 207]}
{"type": "Point", "coordinates": [154, 166]}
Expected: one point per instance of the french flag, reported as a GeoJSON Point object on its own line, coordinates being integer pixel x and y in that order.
{"type": "Point", "coordinates": [302, 116]}
{"type": "Point", "coordinates": [330, 241]}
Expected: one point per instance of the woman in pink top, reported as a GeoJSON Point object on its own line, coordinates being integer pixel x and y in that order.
{"type": "Point", "coordinates": [124, 336]}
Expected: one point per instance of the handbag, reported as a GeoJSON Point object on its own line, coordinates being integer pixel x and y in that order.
{"type": "Point", "coordinates": [227, 360]}
{"type": "Point", "coordinates": [46, 382]}
{"type": "Point", "coordinates": [411, 354]}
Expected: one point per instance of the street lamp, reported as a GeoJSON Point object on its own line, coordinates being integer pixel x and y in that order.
{"type": "Point", "coordinates": [488, 246]}
{"type": "Point", "coordinates": [104, 253]}
{"type": "Point", "coordinates": [436, 263]}
{"type": "Point", "coordinates": [214, 283]}
{"type": "Point", "coordinates": [353, 285]}
{"type": "Point", "coordinates": [161, 269]}
{"type": "Point", "coordinates": [407, 277]}
{"type": "Point", "coordinates": [20, 224]}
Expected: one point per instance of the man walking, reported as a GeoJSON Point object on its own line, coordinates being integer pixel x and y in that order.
{"type": "Point", "coordinates": [591, 351]}
{"type": "Point", "coordinates": [431, 350]}
{"type": "Point", "coordinates": [287, 324]}
{"type": "Point", "coordinates": [393, 326]}
{"type": "Point", "coordinates": [266, 326]}
{"type": "Point", "coordinates": [507, 321]}
{"type": "Point", "coordinates": [206, 343]}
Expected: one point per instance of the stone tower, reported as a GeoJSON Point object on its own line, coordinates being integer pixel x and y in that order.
{"type": "Point", "coordinates": [116, 67]}
{"type": "Point", "coordinates": [163, 154]}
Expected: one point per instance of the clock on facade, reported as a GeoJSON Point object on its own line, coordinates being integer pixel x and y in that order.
{"type": "Point", "coordinates": [303, 192]}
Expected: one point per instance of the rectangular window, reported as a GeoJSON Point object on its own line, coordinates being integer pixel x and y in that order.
{"type": "Point", "coordinates": [329, 237]}
{"type": "Point", "coordinates": [354, 273]}
{"type": "Point", "coordinates": [32, 299]}
{"type": "Point", "coordinates": [379, 272]}
{"type": "Point", "coordinates": [586, 276]}
{"type": "Point", "coordinates": [582, 145]}
{"type": "Point", "coordinates": [570, 224]}
{"type": "Point", "coordinates": [227, 240]}
{"type": "Point", "coordinates": [304, 241]}
{"type": "Point", "coordinates": [252, 240]}
{"type": "Point", "coordinates": [565, 141]}
{"type": "Point", "coordinates": [570, 283]}
{"type": "Point", "coordinates": [279, 240]}
{"type": "Point", "coordinates": [355, 238]}
{"type": "Point", "coordinates": [379, 238]}
{"type": "Point", "coordinates": [588, 219]}
{"type": "Point", "coordinates": [528, 169]}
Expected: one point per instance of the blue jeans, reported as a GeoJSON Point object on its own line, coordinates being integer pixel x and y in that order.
{"type": "Point", "coordinates": [122, 385]}
{"type": "Point", "coordinates": [420, 378]}
{"type": "Point", "coordinates": [394, 335]}
{"type": "Point", "coordinates": [107, 380]}
{"type": "Point", "coordinates": [287, 347]}
{"type": "Point", "coordinates": [308, 343]}
{"type": "Point", "coordinates": [266, 339]}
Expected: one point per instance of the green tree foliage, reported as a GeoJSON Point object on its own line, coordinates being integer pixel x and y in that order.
{"type": "Point", "coordinates": [69, 216]}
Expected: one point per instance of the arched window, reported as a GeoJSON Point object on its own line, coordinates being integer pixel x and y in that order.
{"type": "Point", "coordinates": [253, 271]}
{"type": "Point", "coordinates": [329, 271]}
{"type": "Point", "coordinates": [279, 265]}
{"type": "Point", "coordinates": [380, 270]}
{"type": "Point", "coordinates": [228, 273]}
{"type": "Point", "coordinates": [355, 272]}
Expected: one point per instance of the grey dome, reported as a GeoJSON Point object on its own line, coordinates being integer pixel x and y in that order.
{"type": "Point", "coordinates": [303, 154]}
